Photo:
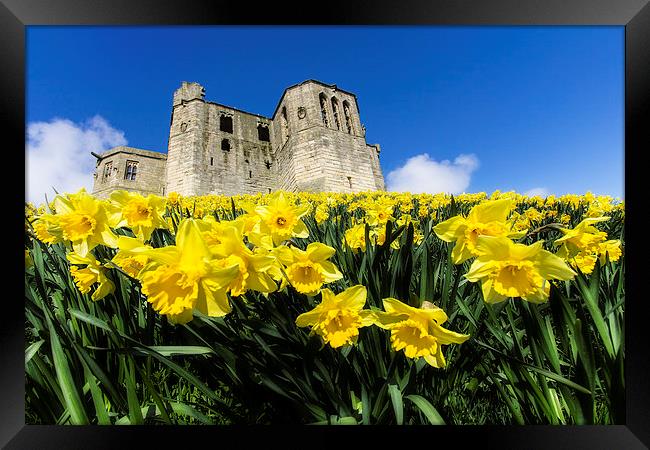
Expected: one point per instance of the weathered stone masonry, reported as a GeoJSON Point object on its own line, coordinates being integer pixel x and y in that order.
{"type": "Point", "coordinates": [314, 142]}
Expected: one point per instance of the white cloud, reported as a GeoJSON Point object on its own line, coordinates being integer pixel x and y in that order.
{"type": "Point", "coordinates": [422, 174]}
{"type": "Point", "coordinates": [540, 191]}
{"type": "Point", "coordinates": [58, 155]}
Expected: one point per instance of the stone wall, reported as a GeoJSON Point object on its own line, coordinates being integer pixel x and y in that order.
{"type": "Point", "coordinates": [315, 142]}
{"type": "Point", "coordinates": [326, 147]}
{"type": "Point", "coordinates": [112, 167]}
{"type": "Point", "coordinates": [247, 166]}
{"type": "Point", "coordinates": [203, 158]}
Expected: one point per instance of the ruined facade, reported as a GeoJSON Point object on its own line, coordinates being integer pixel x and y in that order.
{"type": "Point", "coordinates": [313, 142]}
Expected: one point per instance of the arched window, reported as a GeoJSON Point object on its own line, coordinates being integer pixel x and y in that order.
{"type": "Point", "coordinates": [108, 170]}
{"type": "Point", "coordinates": [285, 124]}
{"type": "Point", "coordinates": [335, 112]}
{"type": "Point", "coordinates": [323, 109]}
{"type": "Point", "coordinates": [225, 145]}
{"type": "Point", "coordinates": [348, 117]}
{"type": "Point", "coordinates": [131, 170]}
{"type": "Point", "coordinates": [263, 133]}
{"type": "Point", "coordinates": [225, 123]}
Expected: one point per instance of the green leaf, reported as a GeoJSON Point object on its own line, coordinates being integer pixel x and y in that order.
{"type": "Point", "coordinates": [135, 412]}
{"type": "Point", "coordinates": [170, 350]}
{"type": "Point", "coordinates": [187, 410]}
{"type": "Point", "coordinates": [335, 420]}
{"type": "Point", "coordinates": [67, 383]}
{"type": "Point", "coordinates": [398, 406]}
{"type": "Point", "coordinates": [98, 400]}
{"type": "Point", "coordinates": [32, 350]}
{"type": "Point", "coordinates": [89, 318]}
{"type": "Point", "coordinates": [427, 409]}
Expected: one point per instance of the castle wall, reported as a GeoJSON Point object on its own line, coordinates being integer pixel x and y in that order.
{"type": "Point", "coordinates": [377, 173]}
{"type": "Point", "coordinates": [247, 167]}
{"type": "Point", "coordinates": [198, 163]}
{"type": "Point", "coordinates": [149, 176]}
{"type": "Point", "coordinates": [315, 142]}
{"type": "Point", "coordinates": [324, 157]}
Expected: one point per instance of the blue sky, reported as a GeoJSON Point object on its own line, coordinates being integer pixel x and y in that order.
{"type": "Point", "coordinates": [533, 107]}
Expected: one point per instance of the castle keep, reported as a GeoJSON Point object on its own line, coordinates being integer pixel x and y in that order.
{"type": "Point", "coordinates": [313, 142]}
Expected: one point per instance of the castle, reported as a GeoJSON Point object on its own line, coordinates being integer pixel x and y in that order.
{"type": "Point", "coordinates": [313, 142]}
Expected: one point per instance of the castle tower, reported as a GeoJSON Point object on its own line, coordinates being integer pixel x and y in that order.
{"type": "Point", "coordinates": [217, 149]}
{"type": "Point", "coordinates": [185, 146]}
{"type": "Point", "coordinates": [320, 143]}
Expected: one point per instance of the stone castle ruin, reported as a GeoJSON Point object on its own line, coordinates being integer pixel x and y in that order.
{"type": "Point", "coordinates": [313, 142]}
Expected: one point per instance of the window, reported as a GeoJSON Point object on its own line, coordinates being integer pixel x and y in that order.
{"type": "Point", "coordinates": [323, 109]}
{"type": "Point", "coordinates": [285, 124]}
{"type": "Point", "coordinates": [350, 182]}
{"type": "Point", "coordinates": [108, 170]}
{"type": "Point", "coordinates": [225, 123]}
{"type": "Point", "coordinates": [131, 170]}
{"type": "Point", "coordinates": [268, 164]}
{"type": "Point", "coordinates": [250, 174]}
{"type": "Point", "coordinates": [211, 161]}
{"type": "Point", "coordinates": [225, 145]}
{"type": "Point", "coordinates": [335, 112]}
{"type": "Point", "coordinates": [263, 133]}
{"type": "Point", "coordinates": [348, 117]}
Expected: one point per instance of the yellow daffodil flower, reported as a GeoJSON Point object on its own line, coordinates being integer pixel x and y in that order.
{"type": "Point", "coordinates": [93, 273]}
{"type": "Point", "coordinates": [485, 219]}
{"type": "Point", "coordinates": [355, 237]}
{"type": "Point", "coordinates": [47, 229]}
{"type": "Point", "coordinates": [252, 268]}
{"type": "Point", "coordinates": [337, 318]}
{"type": "Point", "coordinates": [417, 331]}
{"type": "Point", "coordinates": [83, 220]}
{"type": "Point", "coordinates": [131, 262]}
{"type": "Point", "coordinates": [141, 214]}
{"type": "Point", "coordinates": [506, 269]}
{"type": "Point", "coordinates": [584, 245]}
{"type": "Point", "coordinates": [281, 218]}
{"type": "Point", "coordinates": [377, 214]}
{"type": "Point", "coordinates": [186, 276]}
{"type": "Point", "coordinates": [322, 213]}
{"type": "Point", "coordinates": [310, 268]}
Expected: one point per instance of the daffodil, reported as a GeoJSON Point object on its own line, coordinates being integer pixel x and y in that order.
{"type": "Point", "coordinates": [282, 219]}
{"type": "Point", "coordinates": [141, 214]}
{"type": "Point", "coordinates": [584, 245]}
{"type": "Point", "coordinates": [131, 262]}
{"type": "Point", "coordinates": [83, 220]}
{"type": "Point", "coordinates": [379, 213]}
{"type": "Point", "coordinates": [583, 237]}
{"type": "Point", "coordinates": [355, 237]}
{"type": "Point", "coordinates": [485, 219]}
{"type": "Point", "coordinates": [337, 318]}
{"type": "Point", "coordinates": [322, 213]}
{"type": "Point", "coordinates": [93, 273]}
{"type": "Point", "coordinates": [47, 229]}
{"type": "Point", "coordinates": [417, 331]}
{"type": "Point", "coordinates": [506, 269]}
{"type": "Point", "coordinates": [252, 268]}
{"type": "Point", "coordinates": [310, 268]}
{"type": "Point", "coordinates": [174, 198]}
{"type": "Point", "coordinates": [610, 249]}
{"type": "Point", "coordinates": [186, 276]}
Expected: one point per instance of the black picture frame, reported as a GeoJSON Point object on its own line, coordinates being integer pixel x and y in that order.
{"type": "Point", "coordinates": [634, 15]}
